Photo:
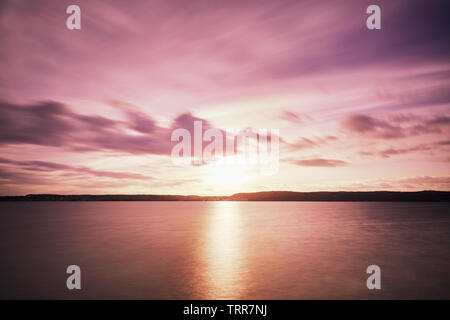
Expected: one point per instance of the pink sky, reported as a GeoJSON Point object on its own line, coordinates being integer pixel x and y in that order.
{"type": "Point", "coordinates": [91, 110]}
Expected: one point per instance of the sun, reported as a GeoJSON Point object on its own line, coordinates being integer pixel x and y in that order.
{"type": "Point", "coordinates": [228, 171]}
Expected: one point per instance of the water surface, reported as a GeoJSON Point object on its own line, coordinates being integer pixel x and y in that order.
{"type": "Point", "coordinates": [224, 250]}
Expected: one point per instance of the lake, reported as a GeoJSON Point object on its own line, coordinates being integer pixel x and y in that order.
{"type": "Point", "coordinates": [224, 250]}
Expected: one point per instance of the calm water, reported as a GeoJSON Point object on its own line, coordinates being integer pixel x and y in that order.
{"type": "Point", "coordinates": [225, 250]}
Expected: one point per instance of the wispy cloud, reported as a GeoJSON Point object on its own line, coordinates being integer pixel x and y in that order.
{"type": "Point", "coordinates": [66, 170]}
{"type": "Point", "coordinates": [319, 162]}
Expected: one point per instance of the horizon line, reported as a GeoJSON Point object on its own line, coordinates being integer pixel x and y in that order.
{"type": "Point", "coordinates": [197, 195]}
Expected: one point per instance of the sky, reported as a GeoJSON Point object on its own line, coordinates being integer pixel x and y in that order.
{"type": "Point", "coordinates": [92, 110]}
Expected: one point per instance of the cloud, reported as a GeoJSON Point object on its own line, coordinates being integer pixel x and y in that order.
{"type": "Point", "coordinates": [439, 121]}
{"type": "Point", "coordinates": [386, 153]}
{"type": "Point", "coordinates": [38, 165]}
{"type": "Point", "coordinates": [417, 183]}
{"type": "Point", "coordinates": [319, 162]}
{"type": "Point", "coordinates": [8, 176]}
{"type": "Point", "coordinates": [444, 143]}
{"type": "Point", "coordinates": [430, 148]}
{"type": "Point", "coordinates": [423, 95]}
{"type": "Point", "coordinates": [365, 153]}
{"type": "Point", "coordinates": [66, 170]}
{"type": "Point", "coordinates": [293, 117]}
{"type": "Point", "coordinates": [302, 143]}
{"type": "Point", "coordinates": [305, 143]}
{"type": "Point", "coordinates": [54, 124]}
{"type": "Point", "coordinates": [137, 120]}
{"type": "Point", "coordinates": [371, 127]}
{"type": "Point", "coordinates": [428, 182]}
{"type": "Point", "coordinates": [42, 124]}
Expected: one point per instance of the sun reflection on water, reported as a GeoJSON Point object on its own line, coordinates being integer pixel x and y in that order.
{"type": "Point", "coordinates": [224, 251]}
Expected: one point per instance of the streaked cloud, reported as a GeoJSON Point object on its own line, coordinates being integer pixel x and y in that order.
{"type": "Point", "coordinates": [319, 162]}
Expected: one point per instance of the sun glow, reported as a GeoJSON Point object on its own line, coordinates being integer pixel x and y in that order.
{"type": "Point", "coordinates": [229, 170]}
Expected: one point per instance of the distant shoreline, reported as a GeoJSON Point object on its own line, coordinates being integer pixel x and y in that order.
{"type": "Point", "coordinates": [417, 196]}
